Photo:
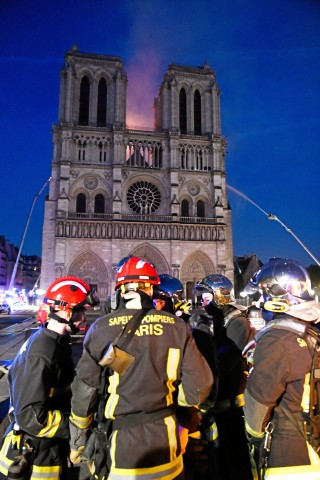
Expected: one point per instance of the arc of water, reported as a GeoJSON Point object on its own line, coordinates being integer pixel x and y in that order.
{"type": "Point", "coordinates": [271, 216]}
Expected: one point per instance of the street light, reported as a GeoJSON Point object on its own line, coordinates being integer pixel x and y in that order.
{"type": "Point", "coordinates": [13, 276]}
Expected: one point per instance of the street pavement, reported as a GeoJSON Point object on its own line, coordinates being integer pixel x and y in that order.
{"type": "Point", "coordinates": [11, 339]}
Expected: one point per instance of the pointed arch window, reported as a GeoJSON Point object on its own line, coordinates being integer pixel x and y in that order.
{"type": "Point", "coordinates": [183, 111]}
{"type": "Point", "coordinates": [84, 101]}
{"type": "Point", "coordinates": [81, 203]}
{"type": "Point", "coordinates": [200, 209]}
{"type": "Point", "coordinates": [184, 208]}
{"type": "Point", "coordinates": [197, 112]}
{"type": "Point", "coordinates": [102, 103]}
{"type": "Point", "coordinates": [99, 203]}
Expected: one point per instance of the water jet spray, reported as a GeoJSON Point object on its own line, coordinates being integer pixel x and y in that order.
{"type": "Point", "coordinates": [271, 216]}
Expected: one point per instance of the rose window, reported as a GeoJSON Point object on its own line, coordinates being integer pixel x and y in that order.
{"type": "Point", "coordinates": [143, 197]}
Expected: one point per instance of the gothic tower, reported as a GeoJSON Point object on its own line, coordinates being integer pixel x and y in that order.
{"type": "Point", "coordinates": [159, 194]}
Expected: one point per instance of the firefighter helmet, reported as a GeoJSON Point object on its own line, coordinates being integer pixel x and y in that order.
{"type": "Point", "coordinates": [283, 283]}
{"type": "Point", "coordinates": [136, 274]}
{"type": "Point", "coordinates": [121, 262]}
{"type": "Point", "coordinates": [169, 286]}
{"type": "Point", "coordinates": [167, 293]}
{"type": "Point", "coordinates": [70, 293]}
{"type": "Point", "coordinates": [219, 286]}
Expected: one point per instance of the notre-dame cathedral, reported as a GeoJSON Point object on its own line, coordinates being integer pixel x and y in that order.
{"type": "Point", "coordinates": [157, 193]}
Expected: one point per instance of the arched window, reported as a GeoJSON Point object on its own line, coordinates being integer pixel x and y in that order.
{"type": "Point", "coordinates": [102, 103]}
{"type": "Point", "coordinates": [200, 208]}
{"type": "Point", "coordinates": [197, 112]}
{"type": "Point", "coordinates": [99, 203]}
{"type": "Point", "coordinates": [184, 208]}
{"type": "Point", "coordinates": [81, 203]}
{"type": "Point", "coordinates": [84, 101]}
{"type": "Point", "coordinates": [183, 111]}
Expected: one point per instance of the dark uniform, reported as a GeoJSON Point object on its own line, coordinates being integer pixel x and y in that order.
{"type": "Point", "coordinates": [168, 370]}
{"type": "Point", "coordinates": [40, 399]}
{"type": "Point", "coordinates": [279, 383]}
{"type": "Point", "coordinates": [232, 332]}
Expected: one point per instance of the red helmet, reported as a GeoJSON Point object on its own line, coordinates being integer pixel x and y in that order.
{"type": "Point", "coordinates": [138, 273]}
{"type": "Point", "coordinates": [70, 292]}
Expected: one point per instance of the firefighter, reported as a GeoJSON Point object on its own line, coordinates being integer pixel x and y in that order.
{"type": "Point", "coordinates": [232, 332]}
{"type": "Point", "coordinates": [141, 437]}
{"type": "Point", "coordinates": [278, 388]}
{"type": "Point", "coordinates": [199, 452]}
{"type": "Point", "coordinates": [36, 442]}
{"type": "Point", "coordinates": [168, 296]}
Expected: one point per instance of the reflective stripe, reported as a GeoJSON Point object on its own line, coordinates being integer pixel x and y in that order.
{"type": "Point", "coordinates": [305, 401]}
{"type": "Point", "coordinates": [301, 472]}
{"type": "Point", "coordinates": [239, 400]}
{"type": "Point", "coordinates": [168, 471]}
{"type": "Point", "coordinates": [314, 457]}
{"type": "Point", "coordinates": [252, 432]}
{"type": "Point", "coordinates": [223, 405]}
{"type": "Point", "coordinates": [113, 398]}
{"type": "Point", "coordinates": [81, 422]}
{"type": "Point", "coordinates": [113, 447]}
{"type": "Point", "coordinates": [172, 437]}
{"type": "Point", "coordinates": [172, 372]}
{"type": "Point", "coordinates": [5, 462]}
{"type": "Point", "coordinates": [211, 433]}
{"type": "Point", "coordinates": [53, 423]}
{"type": "Point", "coordinates": [48, 472]}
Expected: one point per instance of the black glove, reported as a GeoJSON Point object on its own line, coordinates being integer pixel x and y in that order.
{"type": "Point", "coordinates": [189, 417]}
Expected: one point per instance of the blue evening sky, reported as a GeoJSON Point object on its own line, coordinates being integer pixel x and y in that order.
{"type": "Point", "coordinates": [266, 56]}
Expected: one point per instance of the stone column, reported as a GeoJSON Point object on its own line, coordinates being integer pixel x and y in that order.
{"type": "Point", "coordinates": [173, 105]}
{"type": "Point", "coordinates": [165, 106]}
{"type": "Point", "coordinates": [216, 110]}
{"type": "Point", "coordinates": [190, 111]}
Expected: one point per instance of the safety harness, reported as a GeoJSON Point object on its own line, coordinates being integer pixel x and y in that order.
{"type": "Point", "coordinates": [309, 427]}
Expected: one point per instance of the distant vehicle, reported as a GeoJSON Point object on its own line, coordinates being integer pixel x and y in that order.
{"type": "Point", "coordinates": [5, 308]}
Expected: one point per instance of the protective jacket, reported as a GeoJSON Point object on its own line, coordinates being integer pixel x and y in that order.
{"type": "Point", "coordinates": [39, 381]}
{"type": "Point", "coordinates": [168, 371]}
{"type": "Point", "coordinates": [232, 331]}
{"type": "Point", "coordinates": [277, 391]}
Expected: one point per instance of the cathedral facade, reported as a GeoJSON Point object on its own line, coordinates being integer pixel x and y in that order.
{"type": "Point", "coordinates": [159, 194]}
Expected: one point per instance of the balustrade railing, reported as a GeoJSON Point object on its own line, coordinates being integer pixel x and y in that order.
{"type": "Point", "coordinates": [141, 218]}
{"type": "Point", "coordinates": [142, 227]}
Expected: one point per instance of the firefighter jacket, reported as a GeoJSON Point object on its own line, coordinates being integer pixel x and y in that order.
{"type": "Point", "coordinates": [232, 331]}
{"type": "Point", "coordinates": [277, 391]}
{"type": "Point", "coordinates": [39, 382]}
{"type": "Point", "coordinates": [168, 370]}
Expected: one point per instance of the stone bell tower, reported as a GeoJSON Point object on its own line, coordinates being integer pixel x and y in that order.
{"type": "Point", "coordinates": [159, 194]}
